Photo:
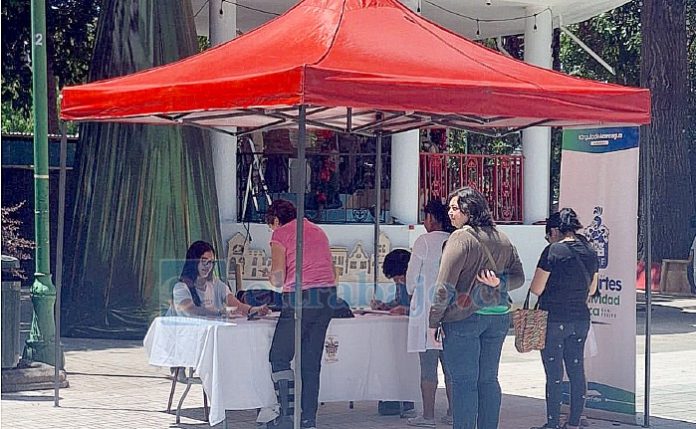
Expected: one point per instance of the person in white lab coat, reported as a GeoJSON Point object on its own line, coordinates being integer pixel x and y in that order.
{"type": "Point", "coordinates": [420, 283]}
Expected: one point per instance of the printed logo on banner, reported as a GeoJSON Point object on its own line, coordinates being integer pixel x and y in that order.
{"type": "Point", "coordinates": [606, 304]}
{"type": "Point", "coordinates": [597, 234]}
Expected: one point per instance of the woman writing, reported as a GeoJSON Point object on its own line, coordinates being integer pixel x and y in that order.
{"type": "Point", "coordinates": [199, 293]}
{"type": "Point", "coordinates": [565, 276]}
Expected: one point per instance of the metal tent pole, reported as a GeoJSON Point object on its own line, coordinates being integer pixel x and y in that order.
{"type": "Point", "coordinates": [59, 255]}
{"type": "Point", "coordinates": [301, 179]}
{"type": "Point", "coordinates": [378, 208]}
{"type": "Point", "coordinates": [647, 201]}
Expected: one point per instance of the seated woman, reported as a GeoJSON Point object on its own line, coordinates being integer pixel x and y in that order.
{"type": "Point", "coordinates": [200, 293]}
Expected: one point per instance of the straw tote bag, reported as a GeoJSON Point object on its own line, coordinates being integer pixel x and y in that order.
{"type": "Point", "coordinates": [530, 327]}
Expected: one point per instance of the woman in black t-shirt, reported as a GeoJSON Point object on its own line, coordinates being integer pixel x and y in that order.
{"type": "Point", "coordinates": [565, 276]}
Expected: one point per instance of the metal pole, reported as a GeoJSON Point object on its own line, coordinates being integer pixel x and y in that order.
{"type": "Point", "coordinates": [378, 207]}
{"type": "Point", "coordinates": [59, 255]}
{"type": "Point", "coordinates": [39, 345]}
{"type": "Point", "coordinates": [647, 201]}
{"type": "Point", "coordinates": [301, 173]}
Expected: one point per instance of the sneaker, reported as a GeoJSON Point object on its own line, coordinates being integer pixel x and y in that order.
{"type": "Point", "coordinates": [546, 426]}
{"type": "Point", "coordinates": [407, 414]}
{"type": "Point", "coordinates": [308, 424]}
{"type": "Point", "coordinates": [447, 419]}
{"type": "Point", "coordinates": [421, 421]}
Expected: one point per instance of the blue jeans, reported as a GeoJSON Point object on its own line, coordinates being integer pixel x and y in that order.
{"type": "Point", "coordinates": [565, 343]}
{"type": "Point", "coordinates": [472, 355]}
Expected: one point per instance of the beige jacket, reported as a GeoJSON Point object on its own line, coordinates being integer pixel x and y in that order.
{"type": "Point", "coordinates": [462, 259]}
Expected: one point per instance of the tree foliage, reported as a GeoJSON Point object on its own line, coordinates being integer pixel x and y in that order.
{"type": "Point", "coordinates": [70, 27]}
{"type": "Point", "coordinates": [615, 36]}
{"type": "Point", "coordinates": [618, 38]}
{"type": "Point", "coordinates": [13, 244]}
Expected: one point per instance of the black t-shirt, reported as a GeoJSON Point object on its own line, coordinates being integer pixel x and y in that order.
{"type": "Point", "coordinates": [565, 295]}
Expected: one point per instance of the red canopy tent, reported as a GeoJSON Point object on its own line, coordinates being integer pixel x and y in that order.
{"type": "Point", "coordinates": [352, 62]}
{"type": "Point", "coordinates": [370, 67]}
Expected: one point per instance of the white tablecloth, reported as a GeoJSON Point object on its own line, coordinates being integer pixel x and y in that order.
{"type": "Point", "coordinates": [231, 358]}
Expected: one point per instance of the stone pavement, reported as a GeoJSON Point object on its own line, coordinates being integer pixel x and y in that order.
{"type": "Point", "coordinates": [112, 386]}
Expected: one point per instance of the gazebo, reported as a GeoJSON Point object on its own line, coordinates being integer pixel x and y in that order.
{"type": "Point", "coordinates": [369, 67]}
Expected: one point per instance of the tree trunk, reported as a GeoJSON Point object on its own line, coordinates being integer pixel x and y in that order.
{"type": "Point", "coordinates": [664, 72]}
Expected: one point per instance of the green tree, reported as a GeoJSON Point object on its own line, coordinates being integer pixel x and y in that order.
{"type": "Point", "coordinates": [664, 69]}
{"type": "Point", "coordinates": [652, 44]}
{"type": "Point", "coordinates": [71, 26]}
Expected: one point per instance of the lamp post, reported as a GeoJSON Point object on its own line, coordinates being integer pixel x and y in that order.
{"type": "Point", "coordinates": [40, 345]}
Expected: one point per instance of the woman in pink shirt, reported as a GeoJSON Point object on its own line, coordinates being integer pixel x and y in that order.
{"type": "Point", "coordinates": [318, 299]}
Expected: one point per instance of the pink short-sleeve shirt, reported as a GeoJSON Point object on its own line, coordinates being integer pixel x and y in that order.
{"type": "Point", "coordinates": [317, 265]}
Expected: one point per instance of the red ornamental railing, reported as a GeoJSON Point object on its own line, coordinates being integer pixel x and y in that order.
{"type": "Point", "coordinates": [498, 177]}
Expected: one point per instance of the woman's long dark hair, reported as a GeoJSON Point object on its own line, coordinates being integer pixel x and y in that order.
{"type": "Point", "coordinates": [473, 203]}
{"type": "Point", "coordinates": [189, 273]}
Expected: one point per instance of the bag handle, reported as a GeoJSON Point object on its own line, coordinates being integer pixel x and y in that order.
{"type": "Point", "coordinates": [525, 306]}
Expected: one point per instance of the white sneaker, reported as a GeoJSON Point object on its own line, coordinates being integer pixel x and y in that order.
{"type": "Point", "coordinates": [268, 414]}
{"type": "Point", "coordinates": [422, 422]}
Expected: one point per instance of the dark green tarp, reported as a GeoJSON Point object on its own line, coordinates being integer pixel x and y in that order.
{"type": "Point", "coordinates": [143, 192]}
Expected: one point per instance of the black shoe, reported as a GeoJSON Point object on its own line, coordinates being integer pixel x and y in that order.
{"type": "Point", "coordinates": [281, 422]}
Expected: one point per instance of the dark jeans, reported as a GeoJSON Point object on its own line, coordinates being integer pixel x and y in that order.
{"type": "Point", "coordinates": [472, 350]}
{"type": "Point", "coordinates": [565, 342]}
{"type": "Point", "coordinates": [317, 308]}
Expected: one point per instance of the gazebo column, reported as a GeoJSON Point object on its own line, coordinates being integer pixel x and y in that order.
{"type": "Point", "coordinates": [223, 27]}
{"type": "Point", "coordinates": [405, 150]}
{"type": "Point", "coordinates": [536, 141]}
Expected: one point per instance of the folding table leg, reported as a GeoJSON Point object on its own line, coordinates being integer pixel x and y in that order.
{"type": "Point", "coordinates": [181, 401]}
{"type": "Point", "coordinates": [171, 392]}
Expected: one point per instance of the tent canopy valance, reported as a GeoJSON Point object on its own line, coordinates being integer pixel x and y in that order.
{"type": "Point", "coordinates": [360, 66]}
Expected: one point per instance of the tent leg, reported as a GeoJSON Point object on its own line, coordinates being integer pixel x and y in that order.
{"type": "Point", "coordinates": [59, 257]}
{"type": "Point", "coordinates": [647, 201]}
{"type": "Point", "coordinates": [378, 208]}
{"type": "Point", "coordinates": [301, 179]}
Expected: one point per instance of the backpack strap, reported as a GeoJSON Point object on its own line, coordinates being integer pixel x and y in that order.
{"type": "Point", "coordinates": [487, 252]}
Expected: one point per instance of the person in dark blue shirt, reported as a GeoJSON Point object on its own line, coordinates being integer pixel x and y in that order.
{"type": "Point", "coordinates": [394, 268]}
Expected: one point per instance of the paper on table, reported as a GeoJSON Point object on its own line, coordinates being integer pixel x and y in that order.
{"type": "Point", "coordinates": [370, 311]}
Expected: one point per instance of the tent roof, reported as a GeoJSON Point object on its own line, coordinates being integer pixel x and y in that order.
{"type": "Point", "coordinates": [360, 65]}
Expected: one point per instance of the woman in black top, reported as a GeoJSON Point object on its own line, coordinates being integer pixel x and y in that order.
{"type": "Point", "coordinates": [565, 276]}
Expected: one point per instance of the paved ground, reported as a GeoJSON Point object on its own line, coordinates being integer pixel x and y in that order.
{"type": "Point", "coordinates": [113, 387]}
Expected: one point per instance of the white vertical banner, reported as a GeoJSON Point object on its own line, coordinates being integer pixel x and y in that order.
{"type": "Point", "coordinates": [599, 180]}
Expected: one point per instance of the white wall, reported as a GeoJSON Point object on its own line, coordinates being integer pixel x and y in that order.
{"type": "Point", "coordinates": [528, 239]}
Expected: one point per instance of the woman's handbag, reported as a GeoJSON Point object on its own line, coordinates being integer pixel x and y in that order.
{"type": "Point", "coordinates": [530, 327]}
